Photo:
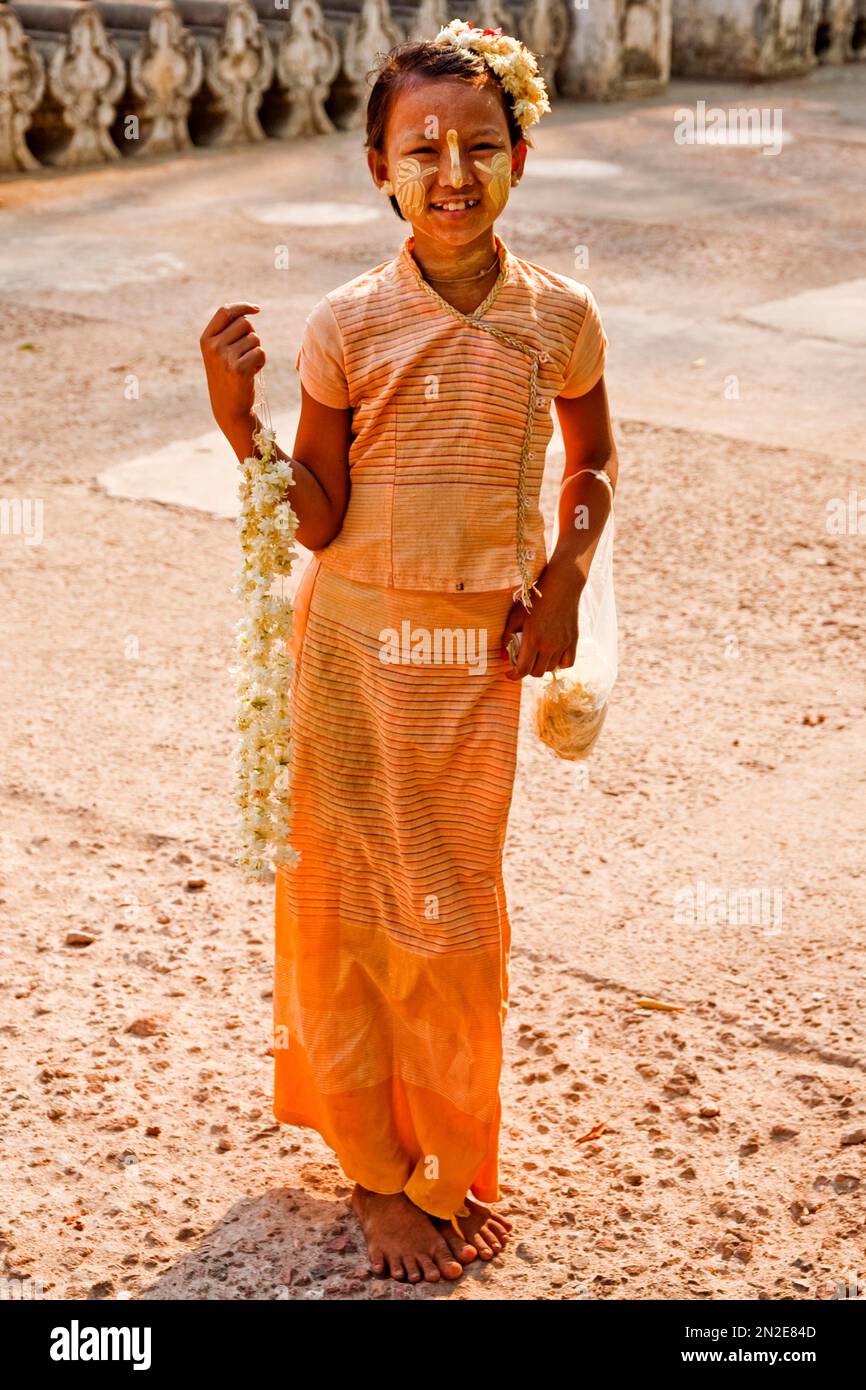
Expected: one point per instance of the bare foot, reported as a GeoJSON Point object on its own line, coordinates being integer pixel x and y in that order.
{"type": "Point", "coordinates": [485, 1233]}
{"type": "Point", "coordinates": [402, 1237]}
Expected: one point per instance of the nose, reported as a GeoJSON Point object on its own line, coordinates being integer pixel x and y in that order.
{"type": "Point", "coordinates": [453, 169]}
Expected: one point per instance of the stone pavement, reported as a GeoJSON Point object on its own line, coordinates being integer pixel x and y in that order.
{"type": "Point", "coordinates": [732, 757]}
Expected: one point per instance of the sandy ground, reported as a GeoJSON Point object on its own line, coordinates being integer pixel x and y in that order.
{"type": "Point", "coordinates": [140, 1156]}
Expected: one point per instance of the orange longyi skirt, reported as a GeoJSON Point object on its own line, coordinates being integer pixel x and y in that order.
{"type": "Point", "coordinates": [392, 934]}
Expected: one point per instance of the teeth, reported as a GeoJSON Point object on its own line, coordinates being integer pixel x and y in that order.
{"type": "Point", "coordinates": [456, 206]}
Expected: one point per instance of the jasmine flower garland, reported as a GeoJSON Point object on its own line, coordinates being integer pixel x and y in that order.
{"type": "Point", "coordinates": [263, 670]}
{"type": "Point", "coordinates": [512, 62]}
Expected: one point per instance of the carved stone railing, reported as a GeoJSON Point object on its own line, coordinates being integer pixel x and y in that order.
{"type": "Point", "coordinates": [164, 66]}
{"type": "Point", "coordinates": [82, 81]}
{"type": "Point", "coordinates": [424, 20]}
{"type": "Point", "coordinates": [22, 84]}
{"type": "Point", "coordinates": [85, 78]}
{"type": "Point", "coordinates": [544, 26]}
{"type": "Point", "coordinates": [238, 69]}
{"type": "Point", "coordinates": [362, 32]}
{"type": "Point", "coordinates": [840, 33]}
{"type": "Point", "coordinates": [306, 62]}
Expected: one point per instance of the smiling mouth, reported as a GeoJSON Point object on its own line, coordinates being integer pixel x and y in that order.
{"type": "Point", "coordinates": [456, 204]}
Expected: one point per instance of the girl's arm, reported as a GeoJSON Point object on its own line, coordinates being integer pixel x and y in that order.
{"type": "Point", "coordinates": [320, 466]}
{"type": "Point", "coordinates": [233, 355]}
{"type": "Point", "coordinates": [588, 438]}
{"type": "Point", "coordinates": [550, 628]}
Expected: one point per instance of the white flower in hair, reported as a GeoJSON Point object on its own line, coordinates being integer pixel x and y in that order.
{"type": "Point", "coordinates": [510, 60]}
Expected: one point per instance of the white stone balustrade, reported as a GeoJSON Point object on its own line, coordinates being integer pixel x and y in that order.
{"type": "Point", "coordinates": [82, 81]}
{"type": "Point", "coordinates": [306, 62]}
{"type": "Point", "coordinates": [22, 84]}
{"type": "Point", "coordinates": [85, 77]}
{"type": "Point", "coordinates": [238, 69]}
{"type": "Point", "coordinates": [164, 66]}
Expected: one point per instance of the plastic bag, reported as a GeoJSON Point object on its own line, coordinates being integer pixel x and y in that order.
{"type": "Point", "coordinates": [571, 704]}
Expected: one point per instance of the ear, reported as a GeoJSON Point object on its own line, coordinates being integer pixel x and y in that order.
{"type": "Point", "coordinates": [378, 166]}
{"type": "Point", "coordinates": [518, 158]}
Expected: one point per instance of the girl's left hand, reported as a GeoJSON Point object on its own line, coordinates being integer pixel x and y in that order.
{"type": "Point", "coordinates": [549, 629]}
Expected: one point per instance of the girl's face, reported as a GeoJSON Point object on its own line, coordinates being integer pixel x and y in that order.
{"type": "Point", "coordinates": [448, 156]}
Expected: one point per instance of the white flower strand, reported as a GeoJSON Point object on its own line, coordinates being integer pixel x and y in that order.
{"type": "Point", "coordinates": [263, 670]}
{"type": "Point", "coordinates": [513, 63]}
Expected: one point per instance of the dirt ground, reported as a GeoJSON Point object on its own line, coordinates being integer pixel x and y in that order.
{"type": "Point", "coordinates": [140, 1157]}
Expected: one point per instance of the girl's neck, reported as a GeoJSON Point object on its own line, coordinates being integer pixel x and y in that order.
{"type": "Point", "coordinates": [436, 257]}
{"type": "Point", "coordinates": [455, 271]}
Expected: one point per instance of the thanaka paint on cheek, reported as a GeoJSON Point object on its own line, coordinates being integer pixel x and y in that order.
{"type": "Point", "coordinates": [409, 189]}
{"type": "Point", "coordinates": [457, 179]}
{"type": "Point", "coordinates": [498, 180]}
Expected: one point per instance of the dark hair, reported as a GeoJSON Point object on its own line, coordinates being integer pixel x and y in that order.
{"type": "Point", "coordinates": [426, 59]}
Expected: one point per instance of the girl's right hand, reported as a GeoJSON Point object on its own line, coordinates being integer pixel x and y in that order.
{"type": "Point", "coordinates": [232, 355]}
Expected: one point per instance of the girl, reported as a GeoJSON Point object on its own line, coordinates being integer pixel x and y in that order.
{"type": "Point", "coordinates": [426, 388]}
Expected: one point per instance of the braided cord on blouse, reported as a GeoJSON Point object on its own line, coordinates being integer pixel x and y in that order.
{"type": "Point", "coordinates": [527, 586]}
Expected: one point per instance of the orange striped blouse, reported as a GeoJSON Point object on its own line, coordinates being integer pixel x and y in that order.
{"type": "Point", "coordinates": [439, 416]}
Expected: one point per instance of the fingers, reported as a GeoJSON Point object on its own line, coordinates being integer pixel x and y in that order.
{"type": "Point", "coordinates": [226, 315]}
{"type": "Point", "coordinates": [514, 622]}
{"type": "Point", "coordinates": [534, 661]}
{"type": "Point", "coordinates": [235, 343]}
{"type": "Point", "coordinates": [553, 663]}
{"type": "Point", "coordinates": [540, 664]}
{"type": "Point", "coordinates": [513, 625]}
{"type": "Point", "coordinates": [236, 332]}
{"type": "Point", "coordinates": [251, 362]}
{"type": "Point", "coordinates": [525, 658]}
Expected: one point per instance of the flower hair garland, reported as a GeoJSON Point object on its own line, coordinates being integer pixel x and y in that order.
{"type": "Point", "coordinates": [263, 670]}
{"type": "Point", "coordinates": [510, 60]}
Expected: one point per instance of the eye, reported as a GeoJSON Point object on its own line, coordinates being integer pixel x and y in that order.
{"type": "Point", "coordinates": [424, 149]}
{"type": "Point", "coordinates": [487, 147]}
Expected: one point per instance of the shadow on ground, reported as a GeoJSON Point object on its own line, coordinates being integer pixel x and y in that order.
{"type": "Point", "coordinates": [287, 1245]}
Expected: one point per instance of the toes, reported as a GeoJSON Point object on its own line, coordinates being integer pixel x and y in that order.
{"type": "Point", "coordinates": [491, 1237]}
{"type": "Point", "coordinates": [449, 1266]}
{"type": "Point", "coordinates": [430, 1268]}
{"type": "Point", "coordinates": [377, 1261]}
{"type": "Point", "coordinates": [498, 1229]}
{"type": "Point", "coordinates": [412, 1271]}
{"type": "Point", "coordinates": [458, 1245]}
{"type": "Point", "coordinates": [480, 1243]}
{"type": "Point", "coordinates": [484, 1216]}
{"type": "Point", "coordinates": [396, 1266]}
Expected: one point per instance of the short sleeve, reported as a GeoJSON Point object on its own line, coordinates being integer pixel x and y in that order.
{"type": "Point", "coordinates": [586, 364]}
{"type": "Point", "coordinates": [320, 361]}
